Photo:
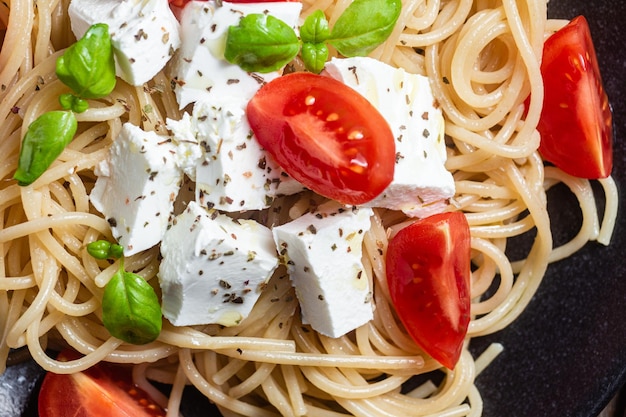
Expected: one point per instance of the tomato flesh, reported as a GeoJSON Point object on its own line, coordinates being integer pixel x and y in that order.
{"type": "Point", "coordinates": [428, 274]}
{"type": "Point", "coordinates": [104, 390]}
{"type": "Point", "coordinates": [576, 123]}
{"type": "Point", "coordinates": [325, 135]}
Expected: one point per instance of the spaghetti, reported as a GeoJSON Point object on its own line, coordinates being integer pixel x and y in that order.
{"type": "Point", "coordinates": [482, 58]}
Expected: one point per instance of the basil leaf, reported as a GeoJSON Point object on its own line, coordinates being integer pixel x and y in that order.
{"type": "Point", "coordinates": [314, 56]}
{"type": "Point", "coordinates": [364, 25]}
{"type": "Point", "coordinates": [88, 66]}
{"type": "Point", "coordinates": [44, 141]}
{"type": "Point", "coordinates": [261, 43]}
{"type": "Point", "coordinates": [130, 309]}
{"type": "Point", "coordinates": [315, 28]}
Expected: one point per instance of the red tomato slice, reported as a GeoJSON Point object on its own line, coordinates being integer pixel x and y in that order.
{"type": "Point", "coordinates": [104, 390]}
{"type": "Point", "coordinates": [325, 135]}
{"type": "Point", "coordinates": [428, 273]}
{"type": "Point", "coordinates": [576, 123]}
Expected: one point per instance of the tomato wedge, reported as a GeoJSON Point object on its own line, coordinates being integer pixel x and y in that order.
{"type": "Point", "coordinates": [324, 134]}
{"type": "Point", "coordinates": [104, 390]}
{"type": "Point", "coordinates": [576, 123]}
{"type": "Point", "coordinates": [428, 273]}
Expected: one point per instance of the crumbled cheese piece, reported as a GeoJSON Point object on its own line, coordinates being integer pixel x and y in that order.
{"type": "Point", "coordinates": [185, 137]}
{"type": "Point", "coordinates": [421, 184]}
{"type": "Point", "coordinates": [214, 268]}
{"type": "Point", "coordinates": [233, 172]}
{"type": "Point", "coordinates": [144, 33]}
{"type": "Point", "coordinates": [136, 187]}
{"type": "Point", "coordinates": [199, 68]}
{"type": "Point", "coordinates": [322, 251]}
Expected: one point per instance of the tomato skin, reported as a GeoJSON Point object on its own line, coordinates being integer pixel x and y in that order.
{"type": "Point", "coordinates": [104, 390]}
{"type": "Point", "coordinates": [325, 135]}
{"type": "Point", "coordinates": [576, 123]}
{"type": "Point", "coordinates": [428, 274]}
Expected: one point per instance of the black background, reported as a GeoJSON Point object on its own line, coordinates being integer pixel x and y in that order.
{"type": "Point", "coordinates": [566, 354]}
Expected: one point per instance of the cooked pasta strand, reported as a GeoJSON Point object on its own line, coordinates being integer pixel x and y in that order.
{"type": "Point", "coordinates": [483, 60]}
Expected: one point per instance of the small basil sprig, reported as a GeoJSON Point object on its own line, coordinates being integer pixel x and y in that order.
{"type": "Point", "coordinates": [88, 68]}
{"type": "Point", "coordinates": [260, 44]}
{"type": "Point", "coordinates": [71, 102]}
{"type": "Point", "coordinates": [314, 34]}
{"type": "Point", "coordinates": [44, 141]}
{"type": "Point", "coordinates": [103, 249]}
{"type": "Point", "coordinates": [130, 307]}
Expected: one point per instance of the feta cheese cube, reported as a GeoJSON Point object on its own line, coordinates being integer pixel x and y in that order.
{"type": "Point", "coordinates": [234, 173]}
{"type": "Point", "coordinates": [199, 67]}
{"type": "Point", "coordinates": [144, 33]}
{"type": "Point", "coordinates": [322, 251]}
{"type": "Point", "coordinates": [421, 185]}
{"type": "Point", "coordinates": [136, 188]}
{"type": "Point", "coordinates": [214, 268]}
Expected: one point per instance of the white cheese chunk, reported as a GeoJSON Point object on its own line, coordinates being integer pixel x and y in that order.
{"type": "Point", "coordinates": [144, 33]}
{"type": "Point", "coordinates": [421, 185]}
{"type": "Point", "coordinates": [322, 251]}
{"type": "Point", "coordinates": [233, 173]}
{"type": "Point", "coordinates": [200, 69]}
{"type": "Point", "coordinates": [214, 268]}
{"type": "Point", "coordinates": [136, 187]}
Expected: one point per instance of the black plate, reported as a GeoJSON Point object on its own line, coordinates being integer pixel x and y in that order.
{"type": "Point", "coordinates": [566, 354]}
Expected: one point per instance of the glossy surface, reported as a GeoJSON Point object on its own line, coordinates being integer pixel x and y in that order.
{"type": "Point", "coordinates": [566, 354]}
{"type": "Point", "coordinates": [576, 124]}
{"type": "Point", "coordinates": [325, 135]}
{"type": "Point", "coordinates": [103, 390]}
{"type": "Point", "coordinates": [428, 273]}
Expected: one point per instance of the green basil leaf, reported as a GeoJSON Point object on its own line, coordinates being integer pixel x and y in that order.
{"type": "Point", "coordinates": [314, 56]}
{"type": "Point", "coordinates": [88, 66]}
{"type": "Point", "coordinates": [130, 309]}
{"type": "Point", "coordinates": [261, 43]}
{"type": "Point", "coordinates": [364, 25]}
{"type": "Point", "coordinates": [44, 141]}
{"type": "Point", "coordinates": [315, 28]}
